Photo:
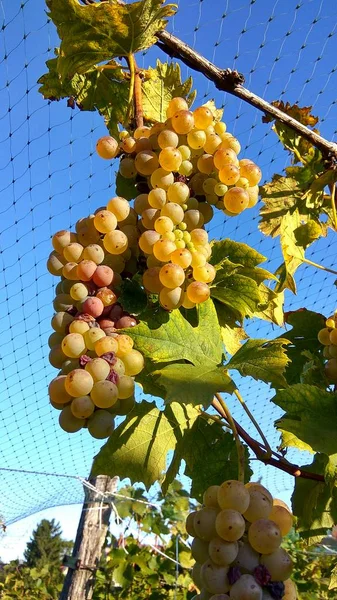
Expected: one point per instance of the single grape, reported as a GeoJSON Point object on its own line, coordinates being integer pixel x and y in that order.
{"type": "Point", "coordinates": [93, 306]}
{"type": "Point", "coordinates": [60, 321]}
{"type": "Point", "coordinates": [229, 174]}
{"type": "Point", "coordinates": [186, 168]}
{"type": "Point", "coordinates": [229, 525]}
{"type": "Point", "coordinates": [178, 192]}
{"type": "Point", "coordinates": [196, 139]}
{"type": "Point", "coordinates": [128, 145]}
{"type": "Point", "coordinates": [199, 550]}
{"type": "Point", "coordinates": [168, 138]}
{"type": "Point", "coordinates": [220, 128]}
{"type": "Point", "coordinates": [151, 280]}
{"type": "Point", "coordinates": [222, 552]}
{"type": "Point", "coordinates": [213, 141]}
{"type": "Point", "coordinates": [104, 394]}
{"type": "Point", "coordinates": [324, 336]}
{"type": "Point", "coordinates": [126, 321]}
{"type": "Point", "coordinates": [196, 574]}
{"type": "Point", "coordinates": [246, 588]}
{"type": "Point", "coordinates": [119, 367]}
{"type": "Point", "coordinates": [157, 198]}
{"type": "Point", "coordinates": [193, 219]}
{"type": "Point", "coordinates": [264, 536]}
{"type": "Point", "coordinates": [98, 368]}
{"type": "Point", "coordinates": [133, 363]}
{"type": "Point", "coordinates": [107, 147]}
{"type": "Point", "coordinates": [278, 563]}
{"type": "Point", "coordinates": [73, 345]}
{"type": "Point", "coordinates": [198, 259]}
{"type": "Point", "coordinates": [290, 592]}
{"type": "Point", "coordinates": [203, 117]}
{"type": "Point", "coordinates": [125, 344]}
{"type": "Point", "coordinates": [147, 241]}
{"type": "Point", "coordinates": [61, 239]}
{"type": "Point", "coordinates": [172, 275]}
{"type": "Point", "coordinates": [119, 207]}
{"type": "Point", "coordinates": [86, 269]}
{"type": "Point", "coordinates": [251, 172]}
{"type": "Point", "coordinates": [105, 221]}
{"type": "Point", "coordinates": [162, 179]}
{"type": "Point", "coordinates": [282, 517]}
{"type": "Point", "coordinates": [101, 424]}
{"type": "Point", "coordinates": [127, 168]}
{"type": "Point", "coordinates": [183, 122]}
{"type": "Point", "coordinates": [68, 422]}
{"type": "Point", "coordinates": [107, 296]}
{"type": "Point", "coordinates": [198, 292]}
{"type": "Point", "coordinates": [253, 193]}
{"type": "Point", "coordinates": [115, 242]}
{"type": "Point", "coordinates": [163, 249]}
{"type": "Point", "coordinates": [204, 523]}
{"type": "Point", "coordinates": [105, 344]}
{"type": "Point", "coordinates": [57, 391]}
{"type": "Point", "coordinates": [330, 369]}
{"type": "Point", "coordinates": [78, 291]}
{"type": "Point", "coordinates": [125, 386]}
{"type": "Point", "coordinates": [69, 271]}
{"type": "Point", "coordinates": [146, 162]}
{"type": "Point", "coordinates": [78, 383]}
{"type": "Point", "coordinates": [56, 357]}
{"type": "Point", "coordinates": [181, 257]}
{"type": "Point", "coordinates": [233, 494]}
{"type": "Point", "coordinates": [206, 211]}
{"type": "Point", "coordinates": [205, 274]}
{"type": "Point", "coordinates": [214, 577]}
{"type": "Point", "coordinates": [260, 506]}
{"type": "Point", "coordinates": [254, 485]}
{"type": "Point", "coordinates": [73, 252]}
{"type": "Point", "coordinates": [189, 525]}
{"type": "Point", "coordinates": [149, 217]}
{"type": "Point", "coordinates": [63, 302]}
{"type": "Point", "coordinates": [55, 264]}
{"type": "Point", "coordinates": [223, 157]}
{"type": "Point", "coordinates": [173, 211]}
{"type": "Point", "coordinates": [247, 559]}
{"type": "Point", "coordinates": [171, 299]}
{"type": "Point", "coordinates": [175, 105]}
{"type": "Point", "coordinates": [236, 200]}
{"type": "Point", "coordinates": [55, 339]}
{"type": "Point", "coordinates": [82, 407]}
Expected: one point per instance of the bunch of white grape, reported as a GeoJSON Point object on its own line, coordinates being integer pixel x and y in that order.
{"type": "Point", "coordinates": [183, 168]}
{"type": "Point", "coordinates": [237, 536]}
{"type": "Point", "coordinates": [97, 361]}
{"type": "Point", "coordinates": [328, 338]}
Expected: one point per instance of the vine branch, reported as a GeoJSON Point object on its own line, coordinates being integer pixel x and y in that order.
{"type": "Point", "coordinates": [239, 447]}
{"type": "Point", "coordinates": [231, 82]}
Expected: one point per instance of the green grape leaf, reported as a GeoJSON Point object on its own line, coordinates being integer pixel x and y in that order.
{"type": "Point", "coordinates": [307, 233]}
{"type": "Point", "coordinates": [262, 359]}
{"type": "Point", "coordinates": [193, 384]}
{"type": "Point", "coordinates": [238, 253]}
{"type": "Point", "coordinates": [133, 297]}
{"type": "Point", "coordinates": [148, 382]}
{"type": "Point", "coordinates": [98, 32]}
{"type": "Point", "coordinates": [239, 294]}
{"type": "Point", "coordinates": [126, 188]}
{"type": "Point", "coordinates": [271, 308]}
{"type": "Point", "coordinates": [159, 87]}
{"type": "Point", "coordinates": [314, 503]}
{"type": "Point", "coordinates": [138, 447]}
{"type": "Point", "coordinates": [305, 325]}
{"type": "Point", "coordinates": [52, 88]}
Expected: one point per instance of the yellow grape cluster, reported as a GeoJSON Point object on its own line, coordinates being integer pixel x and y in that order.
{"type": "Point", "coordinates": [328, 338]}
{"type": "Point", "coordinates": [237, 544]}
{"type": "Point", "coordinates": [96, 359]}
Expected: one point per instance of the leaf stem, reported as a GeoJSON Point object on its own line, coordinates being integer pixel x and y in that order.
{"type": "Point", "coordinates": [333, 205]}
{"type": "Point", "coordinates": [131, 63]}
{"type": "Point", "coordinates": [255, 423]}
{"type": "Point", "coordinates": [239, 447]}
{"type": "Point", "coordinates": [317, 266]}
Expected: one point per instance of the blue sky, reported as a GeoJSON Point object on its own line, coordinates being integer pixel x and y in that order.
{"type": "Point", "coordinates": [51, 176]}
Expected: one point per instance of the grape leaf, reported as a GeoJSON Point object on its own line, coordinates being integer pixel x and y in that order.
{"type": "Point", "coordinates": [238, 293]}
{"type": "Point", "coordinates": [138, 447]}
{"type": "Point", "coordinates": [280, 197]}
{"type": "Point", "coordinates": [126, 188]}
{"type": "Point", "coordinates": [271, 308]}
{"type": "Point", "coordinates": [238, 253]}
{"type": "Point", "coordinates": [333, 579]}
{"type": "Point", "coordinates": [262, 359]}
{"type": "Point", "coordinates": [133, 297]}
{"type": "Point", "coordinates": [217, 112]}
{"type": "Point", "coordinates": [159, 87]}
{"type": "Point", "coordinates": [314, 503]}
{"type": "Point", "coordinates": [98, 32]}
{"type": "Point", "coordinates": [293, 254]}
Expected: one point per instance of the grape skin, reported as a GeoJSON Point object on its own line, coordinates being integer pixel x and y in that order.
{"type": "Point", "coordinates": [278, 563]}
{"type": "Point", "coordinates": [264, 536]}
{"type": "Point", "coordinates": [229, 525]}
{"type": "Point", "coordinates": [214, 577]}
{"type": "Point", "coordinates": [246, 588]}
{"type": "Point", "coordinates": [233, 495]}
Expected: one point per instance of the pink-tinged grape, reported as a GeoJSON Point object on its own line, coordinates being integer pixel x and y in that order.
{"type": "Point", "coordinates": [82, 407]}
{"type": "Point", "coordinates": [181, 257]}
{"type": "Point", "coordinates": [189, 525]}
{"type": "Point", "coordinates": [126, 321]}
{"type": "Point", "coordinates": [185, 152]}
{"type": "Point", "coordinates": [61, 239]}
{"type": "Point", "coordinates": [78, 291]}
{"type": "Point", "coordinates": [126, 387]}
{"type": "Point", "coordinates": [69, 271]}
{"type": "Point", "coordinates": [68, 422]}
{"type": "Point", "coordinates": [55, 339]}
{"type": "Point", "coordinates": [198, 292]}
{"type": "Point", "coordinates": [92, 336]}
{"type": "Point", "coordinates": [246, 588]}
{"type": "Point", "coordinates": [290, 592]}
{"type": "Point", "coordinates": [199, 549]}
{"type": "Point", "coordinates": [183, 122]}
{"type": "Point", "coordinates": [105, 221]}
{"type": "Point", "coordinates": [107, 147]}
{"type": "Point", "coordinates": [119, 207]}
{"type": "Point", "coordinates": [264, 536]}
{"type": "Point", "coordinates": [133, 363]}
{"type": "Point", "coordinates": [101, 424]}
{"type": "Point", "coordinates": [128, 145]}
{"type": "Point", "coordinates": [93, 306]}
{"type": "Point", "coordinates": [105, 345]}
{"type": "Point", "coordinates": [107, 296]}
{"type": "Point", "coordinates": [186, 168]}
{"type": "Point", "coordinates": [170, 159]}
{"type": "Point", "coordinates": [55, 264]}
{"type": "Point", "coordinates": [229, 525]}
{"type": "Point", "coordinates": [73, 345]}
{"type": "Point", "coordinates": [62, 302]}
{"type": "Point", "coordinates": [141, 203]}
{"type": "Point", "coordinates": [157, 198]}
{"type": "Point", "coordinates": [260, 506]}
{"type": "Point", "coordinates": [193, 219]}
{"type": "Point", "coordinates": [125, 344]}
{"type": "Point", "coordinates": [253, 193]}
{"type": "Point", "coordinates": [56, 357]}
{"type": "Point", "coordinates": [57, 391]}
{"type": "Point", "coordinates": [86, 269]}
{"type": "Point", "coordinates": [204, 523]}
{"type": "Point", "coordinates": [224, 157]}
{"type": "Point", "coordinates": [147, 241]}
{"type": "Point", "coordinates": [78, 383]}
{"type": "Point", "coordinates": [234, 495]}
{"type": "Point", "coordinates": [247, 559]}
{"type": "Point", "coordinates": [178, 192]}
{"type": "Point", "coordinates": [162, 178]}
{"type": "Point", "coordinates": [115, 242]}
{"type": "Point", "coordinates": [198, 259]}
{"type": "Point", "coordinates": [220, 128]}
{"type": "Point", "coordinates": [149, 217]}
{"type": "Point", "coordinates": [119, 367]}
{"type": "Point", "coordinates": [98, 368]}
{"type": "Point", "coordinates": [146, 162]}
{"type": "Point", "coordinates": [214, 577]}
{"type": "Point", "coordinates": [168, 138]}
{"type": "Point", "coordinates": [60, 321]}
{"type": "Point", "coordinates": [171, 299]}
{"type": "Point", "coordinates": [282, 517]}
{"type": "Point", "coordinates": [203, 117]}
{"type": "Point", "coordinates": [73, 252]}
{"type": "Point", "coordinates": [104, 394]}
{"type": "Point", "coordinates": [278, 563]}
{"type": "Point", "coordinates": [175, 105]}
{"type": "Point", "coordinates": [163, 249]}
{"type": "Point", "coordinates": [151, 280]}
{"type": "Point", "coordinates": [172, 275]}
{"type": "Point", "coordinates": [127, 168]}
{"type": "Point", "coordinates": [222, 552]}
{"type": "Point", "coordinates": [213, 141]}
{"type": "Point", "coordinates": [103, 276]}
{"type": "Point", "coordinates": [196, 139]}
{"type": "Point", "coordinates": [106, 324]}
{"type": "Point", "coordinates": [251, 172]}
{"type": "Point", "coordinates": [173, 211]}
{"type": "Point", "coordinates": [206, 211]}
{"type": "Point", "coordinates": [236, 200]}
{"type": "Point", "coordinates": [229, 174]}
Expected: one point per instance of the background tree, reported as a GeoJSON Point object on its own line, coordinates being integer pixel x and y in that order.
{"type": "Point", "coordinates": [46, 546]}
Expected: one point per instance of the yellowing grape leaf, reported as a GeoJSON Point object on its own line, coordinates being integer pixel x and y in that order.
{"type": "Point", "coordinates": [293, 254]}
{"type": "Point", "coordinates": [99, 32]}
{"type": "Point", "coordinates": [217, 112]}
{"type": "Point", "coordinates": [271, 308]}
{"type": "Point", "coordinates": [262, 359]}
{"type": "Point", "coordinates": [333, 579]}
{"type": "Point", "coordinates": [238, 293]}
{"type": "Point", "coordinates": [280, 196]}
{"type": "Point", "coordinates": [159, 87]}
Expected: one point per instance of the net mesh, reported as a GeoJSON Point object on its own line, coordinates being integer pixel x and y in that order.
{"type": "Point", "coordinates": [51, 176]}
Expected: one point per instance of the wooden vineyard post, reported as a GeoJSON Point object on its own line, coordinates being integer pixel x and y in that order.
{"type": "Point", "coordinates": [92, 529]}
